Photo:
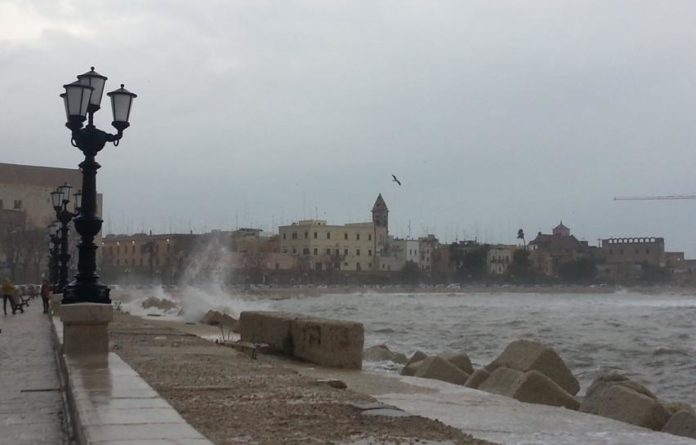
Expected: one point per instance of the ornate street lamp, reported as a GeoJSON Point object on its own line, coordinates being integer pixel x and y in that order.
{"type": "Point", "coordinates": [60, 199]}
{"type": "Point", "coordinates": [82, 99]}
{"type": "Point", "coordinates": [53, 252]}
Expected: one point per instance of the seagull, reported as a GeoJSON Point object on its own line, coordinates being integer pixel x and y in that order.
{"type": "Point", "coordinates": [396, 180]}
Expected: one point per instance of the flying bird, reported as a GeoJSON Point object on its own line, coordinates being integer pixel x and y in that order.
{"type": "Point", "coordinates": [396, 180]}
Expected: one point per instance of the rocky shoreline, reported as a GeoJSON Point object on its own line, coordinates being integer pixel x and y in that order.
{"type": "Point", "coordinates": [532, 372]}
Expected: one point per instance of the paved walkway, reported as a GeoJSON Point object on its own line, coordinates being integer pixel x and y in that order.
{"type": "Point", "coordinates": [31, 408]}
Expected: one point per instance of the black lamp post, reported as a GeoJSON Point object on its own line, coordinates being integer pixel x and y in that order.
{"type": "Point", "coordinates": [82, 99]}
{"type": "Point", "coordinates": [60, 199]}
{"type": "Point", "coordinates": [54, 251]}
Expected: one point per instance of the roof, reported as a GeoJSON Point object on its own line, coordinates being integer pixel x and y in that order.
{"type": "Point", "coordinates": [546, 241]}
{"type": "Point", "coordinates": [379, 204]}
{"type": "Point", "coordinates": [561, 226]}
{"type": "Point", "coordinates": [50, 177]}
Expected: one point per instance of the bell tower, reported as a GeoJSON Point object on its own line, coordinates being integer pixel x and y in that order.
{"type": "Point", "coordinates": [380, 213]}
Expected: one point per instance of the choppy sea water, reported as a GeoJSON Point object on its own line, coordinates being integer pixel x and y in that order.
{"type": "Point", "coordinates": [648, 337]}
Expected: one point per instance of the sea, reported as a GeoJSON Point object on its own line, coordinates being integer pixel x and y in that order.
{"type": "Point", "coordinates": [649, 337]}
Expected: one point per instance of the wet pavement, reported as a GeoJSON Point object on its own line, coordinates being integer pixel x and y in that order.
{"type": "Point", "coordinates": [31, 407]}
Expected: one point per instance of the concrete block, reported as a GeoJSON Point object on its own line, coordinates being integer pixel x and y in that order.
{"type": "Point", "coordinates": [626, 405]}
{"type": "Point", "coordinates": [525, 355]}
{"type": "Point", "coordinates": [324, 342]}
{"type": "Point", "coordinates": [85, 328]}
{"type": "Point", "coordinates": [416, 357]}
{"type": "Point", "coordinates": [501, 381]}
{"type": "Point", "coordinates": [478, 377]}
{"type": "Point", "coordinates": [461, 361]}
{"type": "Point", "coordinates": [328, 342]}
{"type": "Point", "coordinates": [535, 387]}
{"type": "Point", "coordinates": [440, 369]}
{"type": "Point", "coordinates": [682, 423]}
{"type": "Point", "coordinates": [272, 328]}
{"type": "Point", "coordinates": [411, 368]}
{"type": "Point", "coordinates": [590, 403]}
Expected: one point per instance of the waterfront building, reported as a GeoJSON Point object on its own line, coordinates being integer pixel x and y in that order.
{"type": "Point", "coordinates": [499, 257]}
{"type": "Point", "coordinates": [354, 247]}
{"type": "Point", "coordinates": [549, 251]}
{"type": "Point", "coordinates": [634, 250]}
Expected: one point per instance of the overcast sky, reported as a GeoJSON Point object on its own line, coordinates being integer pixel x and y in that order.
{"type": "Point", "coordinates": [495, 115]}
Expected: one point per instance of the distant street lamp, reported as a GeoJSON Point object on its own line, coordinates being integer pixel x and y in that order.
{"type": "Point", "coordinates": [54, 251]}
{"type": "Point", "coordinates": [60, 199]}
{"type": "Point", "coordinates": [82, 99]}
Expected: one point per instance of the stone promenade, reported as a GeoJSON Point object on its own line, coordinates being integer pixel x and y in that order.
{"type": "Point", "coordinates": [31, 408]}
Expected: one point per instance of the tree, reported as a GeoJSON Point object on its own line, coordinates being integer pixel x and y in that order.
{"type": "Point", "coordinates": [520, 270]}
{"type": "Point", "coordinates": [579, 271]}
{"type": "Point", "coordinates": [410, 273]}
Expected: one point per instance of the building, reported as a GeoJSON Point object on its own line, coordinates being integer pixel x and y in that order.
{"type": "Point", "coordinates": [354, 247]}
{"type": "Point", "coordinates": [141, 256]}
{"type": "Point", "coordinates": [499, 257]}
{"type": "Point", "coordinates": [634, 250]}
{"type": "Point", "coordinates": [549, 251]}
{"type": "Point", "coordinates": [25, 213]}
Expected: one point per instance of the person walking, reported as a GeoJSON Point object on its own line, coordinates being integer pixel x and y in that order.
{"type": "Point", "coordinates": [45, 295]}
{"type": "Point", "coordinates": [8, 291]}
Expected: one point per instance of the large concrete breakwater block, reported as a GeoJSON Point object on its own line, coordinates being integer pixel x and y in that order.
{"type": "Point", "coordinates": [325, 342]}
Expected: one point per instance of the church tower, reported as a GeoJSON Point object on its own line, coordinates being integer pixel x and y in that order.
{"type": "Point", "coordinates": [380, 213]}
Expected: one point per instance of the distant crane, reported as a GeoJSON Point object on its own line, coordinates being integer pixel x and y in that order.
{"type": "Point", "coordinates": [653, 198]}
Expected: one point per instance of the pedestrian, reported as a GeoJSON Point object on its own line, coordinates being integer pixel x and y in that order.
{"type": "Point", "coordinates": [45, 295]}
{"type": "Point", "coordinates": [8, 291]}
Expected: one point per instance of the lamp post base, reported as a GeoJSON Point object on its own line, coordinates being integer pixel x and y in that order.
{"type": "Point", "coordinates": [85, 328]}
{"type": "Point", "coordinates": [86, 293]}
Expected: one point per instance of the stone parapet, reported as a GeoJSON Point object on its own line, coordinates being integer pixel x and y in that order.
{"type": "Point", "coordinates": [85, 328]}
{"type": "Point", "coordinates": [325, 342]}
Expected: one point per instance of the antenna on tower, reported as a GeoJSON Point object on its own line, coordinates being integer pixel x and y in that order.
{"type": "Point", "coordinates": [409, 229]}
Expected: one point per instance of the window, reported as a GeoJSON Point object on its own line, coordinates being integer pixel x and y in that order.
{"type": "Point", "coordinates": [285, 250]}
{"type": "Point", "coordinates": [316, 251]}
{"type": "Point", "coordinates": [284, 235]}
{"type": "Point", "coordinates": [1, 204]}
{"type": "Point", "coordinates": [369, 252]}
{"type": "Point", "coordinates": [294, 235]}
{"type": "Point", "coordinates": [315, 235]}
{"type": "Point", "coordinates": [306, 235]}
{"type": "Point", "coordinates": [133, 248]}
{"type": "Point", "coordinates": [294, 251]}
{"type": "Point", "coordinates": [328, 251]}
{"type": "Point", "coordinates": [305, 251]}
{"type": "Point", "coordinates": [369, 237]}
{"type": "Point", "coordinates": [357, 252]}
{"type": "Point", "coordinates": [345, 236]}
{"type": "Point", "coordinates": [357, 237]}
{"type": "Point", "coordinates": [357, 266]}
{"type": "Point", "coordinates": [345, 252]}
{"type": "Point", "coordinates": [18, 204]}
{"type": "Point", "coordinates": [337, 252]}
{"type": "Point", "coordinates": [328, 235]}
{"type": "Point", "coordinates": [369, 265]}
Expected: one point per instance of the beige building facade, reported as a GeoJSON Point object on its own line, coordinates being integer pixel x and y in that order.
{"type": "Point", "coordinates": [499, 258]}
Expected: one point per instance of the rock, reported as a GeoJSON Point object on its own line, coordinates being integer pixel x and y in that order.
{"type": "Point", "coordinates": [535, 387]}
{"type": "Point", "coordinates": [440, 369]}
{"type": "Point", "coordinates": [334, 383]}
{"type": "Point", "coordinates": [411, 368]}
{"type": "Point", "coordinates": [461, 361]}
{"type": "Point", "coordinates": [381, 353]}
{"type": "Point", "coordinates": [621, 403]}
{"type": "Point", "coordinates": [526, 355]}
{"type": "Point", "coordinates": [416, 357]}
{"type": "Point", "coordinates": [478, 377]}
{"type": "Point", "coordinates": [501, 381]}
{"type": "Point", "coordinates": [603, 382]}
{"type": "Point", "coordinates": [215, 318]}
{"type": "Point", "coordinates": [162, 304]}
{"type": "Point", "coordinates": [675, 407]}
{"type": "Point", "coordinates": [682, 423]}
